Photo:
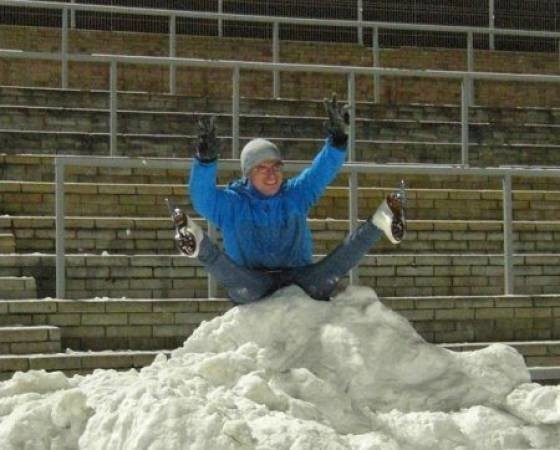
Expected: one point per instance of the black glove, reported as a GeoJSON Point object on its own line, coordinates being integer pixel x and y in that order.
{"type": "Point", "coordinates": [338, 123]}
{"type": "Point", "coordinates": [208, 146]}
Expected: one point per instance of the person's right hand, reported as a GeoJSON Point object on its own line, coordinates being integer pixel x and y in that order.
{"type": "Point", "coordinates": [208, 147]}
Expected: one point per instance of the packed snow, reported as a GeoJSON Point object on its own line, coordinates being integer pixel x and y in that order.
{"type": "Point", "coordinates": [292, 373]}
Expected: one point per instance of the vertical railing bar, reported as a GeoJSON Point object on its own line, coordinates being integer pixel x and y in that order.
{"type": "Point", "coordinates": [172, 54]}
{"type": "Point", "coordinates": [508, 236]}
{"type": "Point", "coordinates": [113, 111]}
{"type": "Point", "coordinates": [491, 24]}
{"type": "Point", "coordinates": [60, 233]}
{"type": "Point", "coordinates": [275, 59]}
{"type": "Point", "coordinates": [353, 177]}
{"type": "Point", "coordinates": [360, 16]}
{"type": "Point", "coordinates": [64, 50]}
{"type": "Point", "coordinates": [212, 282]}
{"type": "Point", "coordinates": [235, 114]}
{"type": "Point", "coordinates": [470, 65]}
{"type": "Point", "coordinates": [376, 63]}
{"type": "Point", "coordinates": [72, 16]}
{"type": "Point", "coordinates": [220, 20]}
{"type": "Point", "coordinates": [465, 88]}
{"type": "Point", "coordinates": [351, 96]}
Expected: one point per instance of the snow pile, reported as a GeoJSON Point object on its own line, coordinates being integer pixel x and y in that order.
{"type": "Point", "coordinates": [292, 373]}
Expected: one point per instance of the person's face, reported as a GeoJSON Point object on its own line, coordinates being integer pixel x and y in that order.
{"type": "Point", "coordinates": [267, 177]}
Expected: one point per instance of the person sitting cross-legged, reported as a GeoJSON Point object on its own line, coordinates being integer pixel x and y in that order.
{"type": "Point", "coordinates": [263, 217]}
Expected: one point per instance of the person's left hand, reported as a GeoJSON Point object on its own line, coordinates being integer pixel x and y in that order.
{"type": "Point", "coordinates": [339, 121]}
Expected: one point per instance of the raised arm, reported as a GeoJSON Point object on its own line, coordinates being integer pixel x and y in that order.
{"type": "Point", "coordinates": [208, 199]}
{"type": "Point", "coordinates": [310, 184]}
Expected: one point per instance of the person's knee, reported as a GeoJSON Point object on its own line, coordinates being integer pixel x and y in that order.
{"type": "Point", "coordinates": [243, 295]}
{"type": "Point", "coordinates": [321, 291]}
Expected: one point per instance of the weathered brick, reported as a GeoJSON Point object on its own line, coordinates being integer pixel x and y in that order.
{"type": "Point", "coordinates": [494, 313]}
{"type": "Point", "coordinates": [154, 318]}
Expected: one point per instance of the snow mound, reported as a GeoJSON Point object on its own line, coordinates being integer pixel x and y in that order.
{"type": "Point", "coordinates": [292, 373]}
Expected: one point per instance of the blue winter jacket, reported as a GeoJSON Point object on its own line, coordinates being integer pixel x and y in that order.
{"type": "Point", "coordinates": [265, 232]}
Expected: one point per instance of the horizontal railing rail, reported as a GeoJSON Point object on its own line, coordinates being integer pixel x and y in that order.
{"type": "Point", "coordinates": [276, 21]}
{"type": "Point", "coordinates": [352, 169]}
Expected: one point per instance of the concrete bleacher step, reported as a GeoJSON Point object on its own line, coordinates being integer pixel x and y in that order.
{"type": "Point", "coordinates": [174, 276]}
{"type": "Point", "coordinates": [154, 235]}
{"type": "Point", "coordinates": [15, 340]}
{"type": "Point", "coordinates": [16, 287]}
{"type": "Point", "coordinates": [181, 145]}
{"type": "Point", "coordinates": [7, 242]}
{"type": "Point", "coordinates": [40, 168]}
{"type": "Point", "coordinates": [109, 199]}
{"type": "Point", "coordinates": [150, 101]}
{"type": "Point", "coordinates": [384, 149]}
{"type": "Point", "coordinates": [77, 362]}
{"type": "Point", "coordinates": [83, 363]}
{"type": "Point", "coordinates": [115, 323]}
{"type": "Point", "coordinates": [89, 120]}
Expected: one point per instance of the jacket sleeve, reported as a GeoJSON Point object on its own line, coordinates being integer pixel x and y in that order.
{"type": "Point", "coordinates": [208, 200]}
{"type": "Point", "coordinates": [310, 184]}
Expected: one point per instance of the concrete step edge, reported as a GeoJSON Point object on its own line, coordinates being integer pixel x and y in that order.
{"type": "Point", "coordinates": [137, 359]}
{"type": "Point", "coordinates": [318, 101]}
{"type": "Point", "coordinates": [467, 345]}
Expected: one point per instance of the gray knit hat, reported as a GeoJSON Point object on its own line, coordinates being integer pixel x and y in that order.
{"type": "Point", "coordinates": [255, 152]}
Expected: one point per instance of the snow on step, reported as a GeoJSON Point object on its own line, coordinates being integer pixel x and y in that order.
{"type": "Point", "coordinates": [74, 362]}
{"type": "Point", "coordinates": [540, 353]}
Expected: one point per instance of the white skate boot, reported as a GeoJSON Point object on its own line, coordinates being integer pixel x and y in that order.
{"type": "Point", "coordinates": [188, 235]}
{"type": "Point", "coordinates": [390, 216]}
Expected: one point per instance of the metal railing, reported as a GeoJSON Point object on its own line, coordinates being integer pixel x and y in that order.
{"type": "Point", "coordinates": [538, 15]}
{"type": "Point", "coordinates": [172, 15]}
{"type": "Point", "coordinates": [464, 77]}
{"type": "Point", "coordinates": [352, 169]}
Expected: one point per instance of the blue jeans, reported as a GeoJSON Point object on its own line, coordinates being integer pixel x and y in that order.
{"type": "Point", "coordinates": [318, 280]}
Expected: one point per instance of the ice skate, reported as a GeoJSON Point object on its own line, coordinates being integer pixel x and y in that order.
{"type": "Point", "coordinates": [188, 235]}
{"type": "Point", "coordinates": [390, 216]}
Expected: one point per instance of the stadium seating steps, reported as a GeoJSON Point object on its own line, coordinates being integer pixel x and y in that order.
{"type": "Point", "coordinates": [131, 295]}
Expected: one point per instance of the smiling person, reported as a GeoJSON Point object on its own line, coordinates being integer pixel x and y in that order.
{"type": "Point", "coordinates": [263, 217]}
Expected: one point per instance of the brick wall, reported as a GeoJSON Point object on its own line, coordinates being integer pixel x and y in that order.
{"type": "Point", "coordinates": [201, 82]}
{"type": "Point", "coordinates": [150, 276]}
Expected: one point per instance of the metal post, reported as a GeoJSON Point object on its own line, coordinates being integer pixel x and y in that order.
{"type": "Point", "coordinates": [353, 177]}
{"type": "Point", "coordinates": [351, 82]}
{"type": "Point", "coordinates": [220, 21]}
{"type": "Point", "coordinates": [360, 18]}
{"type": "Point", "coordinates": [73, 16]}
{"type": "Point", "coordinates": [465, 88]}
{"type": "Point", "coordinates": [172, 54]}
{"type": "Point", "coordinates": [276, 59]}
{"type": "Point", "coordinates": [470, 65]}
{"type": "Point", "coordinates": [508, 236]}
{"type": "Point", "coordinates": [376, 63]}
{"type": "Point", "coordinates": [59, 224]}
{"type": "Point", "coordinates": [212, 282]}
{"type": "Point", "coordinates": [113, 127]}
{"type": "Point", "coordinates": [491, 24]}
{"type": "Point", "coordinates": [235, 114]}
{"type": "Point", "coordinates": [64, 50]}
